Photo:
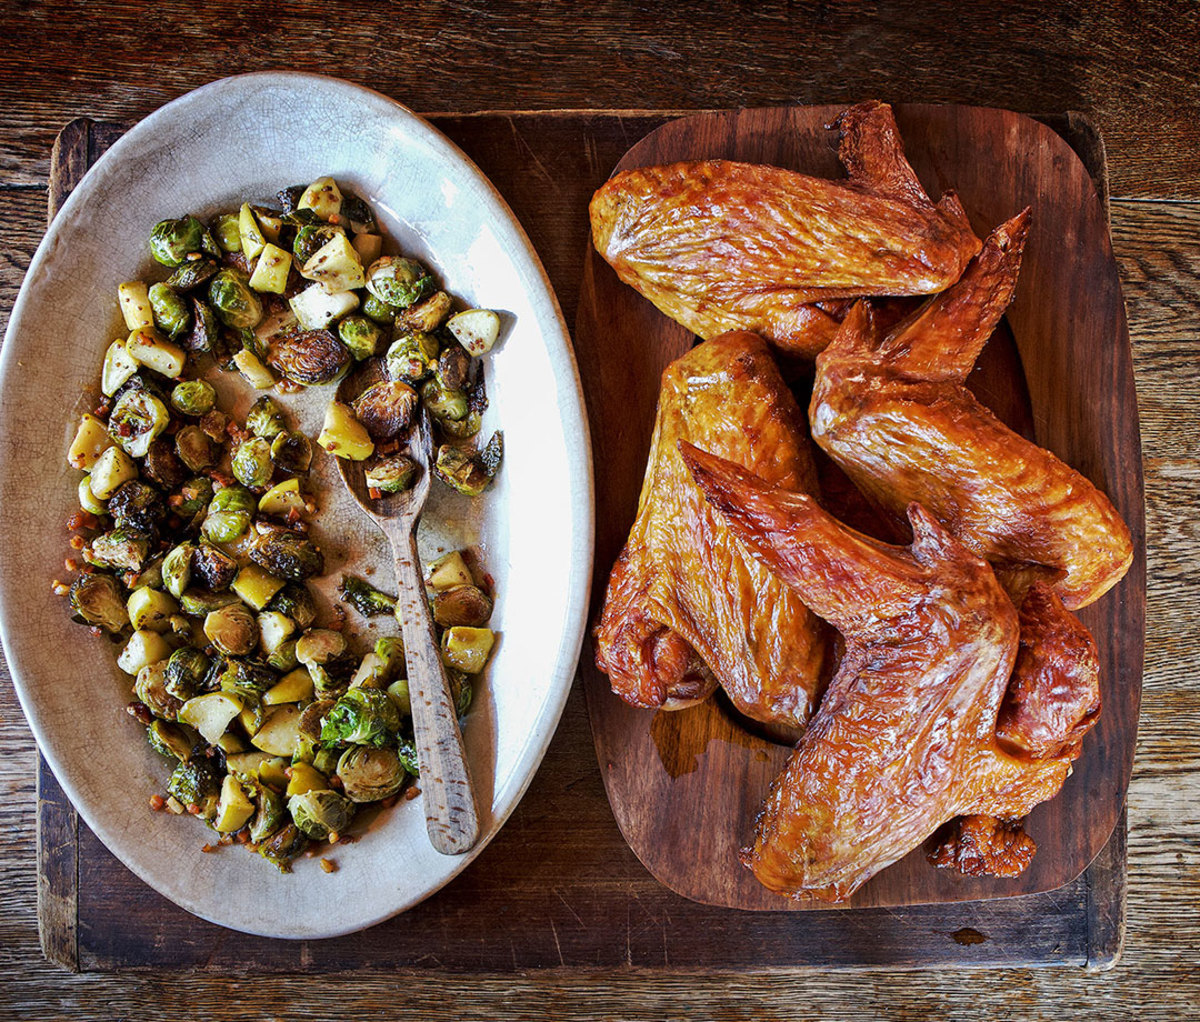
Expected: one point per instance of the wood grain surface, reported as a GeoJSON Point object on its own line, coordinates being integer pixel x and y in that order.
{"type": "Point", "coordinates": [1131, 66]}
{"type": "Point", "coordinates": [687, 786]}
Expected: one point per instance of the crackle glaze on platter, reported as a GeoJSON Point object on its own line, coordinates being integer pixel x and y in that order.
{"type": "Point", "coordinates": [240, 138]}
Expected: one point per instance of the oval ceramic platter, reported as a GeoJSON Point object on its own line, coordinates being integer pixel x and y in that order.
{"type": "Point", "coordinates": [241, 139]}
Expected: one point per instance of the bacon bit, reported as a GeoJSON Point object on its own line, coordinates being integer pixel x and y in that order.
{"type": "Point", "coordinates": [328, 865]}
{"type": "Point", "coordinates": [335, 218]}
{"type": "Point", "coordinates": [58, 588]}
{"type": "Point", "coordinates": [76, 543]}
{"type": "Point", "coordinates": [286, 386]}
{"type": "Point", "coordinates": [82, 520]}
{"type": "Point", "coordinates": [221, 479]}
{"type": "Point", "coordinates": [292, 516]}
{"type": "Point", "coordinates": [243, 836]}
{"type": "Point", "coordinates": [411, 793]}
{"type": "Point", "coordinates": [102, 409]}
{"type": "Point", "coordinates": [335, 783]}
{"type": "Point", "coordinates": [237, 433]}
{"type": "Point", "coordinates": [175, 500]}
{"type": "Point", "coordinates": [374, 492]}
{"type": "Point", "coordinates": [97, 631]}
{"type": "Point", "coordinates": [193, 808]}
{"type": "Point", "coordinates": [225, 839]}
{"type": "Point", "coordinates": [140, 712]}
{"type": "Point", "coordinates": [208, 848]}
{"type": "Point", "coordinates": [157, 803]}
{"type": "Point", "coordinates": [339, 620]}
{"type": "Point", "coordinates": [334, 837]}
{"type": "Point", "coordinates": [310, 507]}
{"type": "Point", "coordinates": [391, 447]}
{"type": "Point", "coordinates": [71, 564]}
{"type": "Point", "coordinates": [130, 579]}
{"type": "Point", "coordinates": [193, 256]}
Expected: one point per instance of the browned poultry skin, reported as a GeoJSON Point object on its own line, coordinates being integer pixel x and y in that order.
{"type": "Point", "coordinates": [719, 245]}
{"type": "Point", "coordinates": [685, 598]}
{"type": "Point", "coordinates": [904, 739]}
{"type": "Point", "coordinates": [895, 416]}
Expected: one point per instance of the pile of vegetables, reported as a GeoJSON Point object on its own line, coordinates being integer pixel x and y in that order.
{"type": "Point", "coordinates": [193, 531]}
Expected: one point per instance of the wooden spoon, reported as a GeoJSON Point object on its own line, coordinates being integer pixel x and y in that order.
{"type": "Point", "coordinates": [450, 813]}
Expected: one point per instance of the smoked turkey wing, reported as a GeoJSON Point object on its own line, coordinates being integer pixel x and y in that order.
{"type": "Point", "coordinates": [686, 604]}
{"type": "Point", "coordinates": [893, 413]}
{"type": "Point", "coordinates": [904, 739]}
{"type": "Point", "coordinates": [719, 245]}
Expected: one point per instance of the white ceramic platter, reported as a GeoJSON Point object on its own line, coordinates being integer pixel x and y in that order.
{"type": "Point", "coordinates": [245, 138]}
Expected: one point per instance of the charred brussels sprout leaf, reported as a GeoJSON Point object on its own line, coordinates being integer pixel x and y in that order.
{"type": "Point", "coordinates": [365, 598]}
{"type": "Point", "coordinates": [292, 452]}
{"type": "Point", "coordinates": [406, 751]}
{"type": "Point", "coordinates": [172, 240]}
{"type": "Point", "coordinates": [309, 357]}
{"type": "Point", "coordinates": [252, 465]}
{"type": "Point", "coordinates": [204, 334]}
{"type": "Point", "coordinates": [265, 418]}
{"type": "Point", "coordinates": [363, 716]}
{"type": "Point", "coordinates": [357, 214]}
{"type": "Point", "coordinates": [172, 314]}
{"type": "Point", "coordinates": [215, 568]}
{"type": "Point", "coordinates": [318, 813]}
{"type": "Point", "coordinates": [386, 408]}
{"type": "Point", "coordinates": [137, 506]}
{"type": "Point", "coordinates": [97, 599]}
{"type": "Point", "coordinates": [288, 555]}
{"type": "Point", "coordinates": [235, 304]}
{"type": "Point", "coordinates": [369, 774]}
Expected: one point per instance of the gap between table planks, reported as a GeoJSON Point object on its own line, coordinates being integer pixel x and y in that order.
{"type": "Point", "coordinates": [558, 888]}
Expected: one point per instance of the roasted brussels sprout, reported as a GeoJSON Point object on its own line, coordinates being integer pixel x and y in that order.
{"type": "Point", "coordinates": [226, 232]}
{"type": "Point", "coordinates": [283, 846]}
{"type": "Point", "coordinates": [406, 752]}
{"type": "Point", "coordinates": [234, 498]}
{"type": "Point", "coordinates": [288, 555]}
{"type": "Point", "coordinates": [283, 657]}
{"type": "Point", "coordinates": [247, 679]}
{"type": "Point", "coordinates": [269, 813]}
{"type": "Point", "coordinates": [398, 281]}
{"type": "Point", "coordinates": [232, 629]}
{"type": "Point", "coordinates": [360, 335]}
{"type": "Point", "coordinates": [204, 334]}
{"type": "Point", "coordinates": [363, 716]}
{"type": "Point", "coordinates": [382, 665]}
{"type": "Point", "coordinates": [461, 605]}
{"type": "Point", "coordinates": [194, 496]}
{"type": "Point", "coordinates": [378, 311]}
{"type": "Point", "coordinates": [120, 548]}
{"type": "Point", "coordinates": [453, 368]}
{"type": "Point", "coordinates": [172, 240]}
{"type": "Point", "coordinates": [193, 397]}
{"type": "Point", "coordinates": [392, 474]}
{"type": "Point", "coordinates": [171, 312]}
{"type": "Point", "coordinates": [177, 569]}
{"type": "Point", "coordinates": [201, 602]}
{"type": "Point", "coordinates": [265, 418]}
{"type": "Point", "coordinates": [151, 690]}
{"type": "Point", "coordinates": [461, 690]}
{"type": "Point", "coordinates": [186, 671]}
{"type": "Point", "coordinates": [163, 466]}
{"type": "Point", "coordinates": [296, 601]}
{"type": "Point", "coordinates": [175, 741]}
{"type": "Point", "coordinates": [189, 274]}
{"type": "Point", "coordinates": [309, 357]}
{"type": "Point", "coordinates": [195, 449]}
{"type": "Point", "coordinates": [325, 654]}
{"type": "Point", "coordinates": [137, 506]}
{"type": "Point", "coordinates": [235, 304]}
{"type": "Point", "coordinates": [369, 774]}
{"type": "Point", "coordinates": [312, 237]}
{"type": "Point", "coordinates": [319, 813]}
{"type": "Point", "coordinates": [467, 471]}
{"type": "Point", "coordinates": [215, 568]}
{"type": "Point", "coordinates": [224, 526]}
{"type": "Point", "coordinates": [97, 600]}
{"type": "Point", "coordinates": [444, 404]}
{"type": "Point", "coordinates": [252, 465]}
{"type": "Point", "coordinates": [357, 214]}
{"type": "Point", "coordinates": [292, 452]}
{"type": "Point", "coordinates": [427, 314]}
{"type": "Point", "coordinates": [411, 357]}
{"type": "Point", "coordinates": [364, 597]}
{"type": "Point", "coordinates": [197, 784]}
{"type": "Point", "coordinates": [461, 429]}
{"type": "Point", "coordinates": [386, 408]}
{"type": "Point", "coordinates": [136, 420]}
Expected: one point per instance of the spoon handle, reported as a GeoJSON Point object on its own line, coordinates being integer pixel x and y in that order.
{"type": "Point", "coordinates": [450, 812]}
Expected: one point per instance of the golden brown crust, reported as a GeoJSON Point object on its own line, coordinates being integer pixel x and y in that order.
{"type": "Point", "coordinates": [685, 598]}
{"type": "Point", "coordinates": [896, 418]}
{"type": "Point", "coordinates": [719, 245]}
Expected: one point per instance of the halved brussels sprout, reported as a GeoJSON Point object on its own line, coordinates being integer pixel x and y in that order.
{"type": "Point", "coordinates": [461, 605]}
{"type": "Point", "coordinates": [197, 783]}
{"type": "Point", "coordinates": [201, 602]}
{"type": "Point", "coordinates": [386, 408]}
{"type": "Point", "coordinates": [151, 689]}
{"type": "Point", "coordinates": [175, 741]}
{"type": "Point", "coordinates": [172, 314]}
{"type": "Point", "coordinates": [215, 568]}
{"type": "Point", "coordinates": [234, 498]}
{"type": "Point", "coordinates": [411, 357]}
{"type": "Point", "coordinates": [269, 813]}
{"type": "Point", "coordinates": [319, 813]}
{"type": "Point", "coordinates": [265, 418]}
{"type": "Point", "coordinates": [360, 335]}
{"type": "Point", "coordinates": [246, 678]}
{"type": "Point", "coordinates": [292, 452]}
{"type": "Point", "coordinates": [163, 466]}
{"type": "Point", "coordinates": [382, 665]}
{"type": "Point", "coordinates": [283, 846]}
{"type": "Point", "coordinates": [364, 597]}
{"type": "Point", "coordinates": [225, 526]}
{"type": "Point", "coordinates": [392, 474]}
{"type": "Point", "coordinates": [296, 601]}
{"type": "Point", "coordinates": [138, 506]}
{"type": "Point", "coordinates": [398, 281]}
{"type": "Point", "coordinates": [252, 465]}
{"type": "Point", "coordinates": [232, 629]}
{"type": "Point", "coordinates": [172, 240]}
{"type": "Point", "coordinates": [444, 404]}
{"type": "Point", "coordinates": [357, 213]}
{"type": "Point", "coordinates": [121, 548]}
{"type": "Point", "coordinates": [453, 370]}
{"type": "Point", "coordinates": [186, 671]}
{"type": "Point", "coordinates": [235, 304]}
{"type": "Point", "coordinates": [177, 569]}
{"type": "Point", "coordinates": [378, 311]}
{"type": "Point", "coordinates": [97, 599]}
{"type": "Point", "coordinates": [136, 420]}
{"type": "Point", "coordinates": [193, 397]}
{"type": "Point", "coordinates": [195, 495]}
{"type": "Point", "coordinates": [309, 357]}
{"type": "Point", "coordinates": [320, 647]}
{"type": "Point", "coordinates": [370, 774]}
{"type": "Point", "coordinates": [363, 716]}
{"type": "Point", "coordinates": [426, 315]}
{"type": "Point", "coordinates": [467, 471]}
{"type": "Point", "coordinates": [204, 335]}
{"type": "Point", "coordinates": [195, 449]}
{"type": "Point", "coordinates": [226, 233]}
{"type": "Point", "coordinates": [288, 555]}
{"type": "Point", "coordinates": [311, 237]}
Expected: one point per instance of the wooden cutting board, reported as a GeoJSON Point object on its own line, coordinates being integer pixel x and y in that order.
{"type": "Point", "coordinates": [686, 786]}
{"type": "Point", "coordinates": [559, 887]}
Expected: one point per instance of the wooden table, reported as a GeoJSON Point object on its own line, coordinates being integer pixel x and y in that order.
{"type": "Point", "coordinates": [1135, 75]}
